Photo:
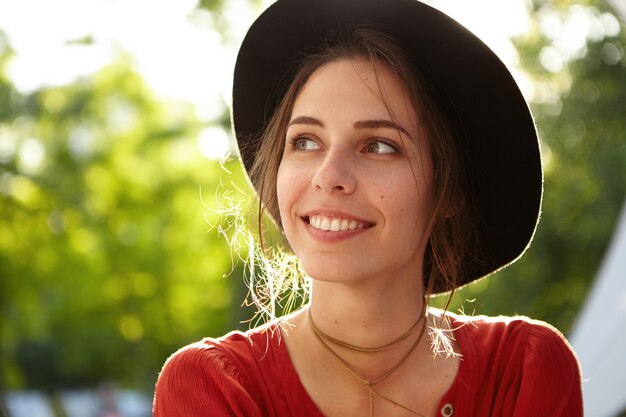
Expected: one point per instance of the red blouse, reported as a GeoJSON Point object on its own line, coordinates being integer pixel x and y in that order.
{"type": "Point", "coordinates": [509, 367]}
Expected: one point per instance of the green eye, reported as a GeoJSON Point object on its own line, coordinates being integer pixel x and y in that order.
{"type": "Point", "coordinates": [380, 147]}
{"type": "Point", "coordinates": [303, 143]}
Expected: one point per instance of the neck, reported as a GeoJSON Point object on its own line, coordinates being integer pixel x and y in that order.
{"type": "Point", "coordinates": [375, 334]}
{"type": "Point", "coordinates": [366, 315]}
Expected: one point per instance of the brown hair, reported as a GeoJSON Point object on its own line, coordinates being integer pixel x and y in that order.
{"type": "Point", "coordinates": [453, 236]}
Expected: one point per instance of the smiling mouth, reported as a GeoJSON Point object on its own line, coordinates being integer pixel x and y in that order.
{"type": "Point", "coordinates": [334, 224]}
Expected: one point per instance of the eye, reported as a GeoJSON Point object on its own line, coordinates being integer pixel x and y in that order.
{"type": "Point", "coordinates": [303, 143]}
{"type": "Point", "coordinates": [381, 147]}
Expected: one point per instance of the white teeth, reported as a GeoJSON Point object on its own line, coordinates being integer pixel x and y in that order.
{"type": "Point", "coordinates": [334, 224]}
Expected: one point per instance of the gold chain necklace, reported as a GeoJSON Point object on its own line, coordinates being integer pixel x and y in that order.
{"type": "Point", "coordinates": [325, 340]}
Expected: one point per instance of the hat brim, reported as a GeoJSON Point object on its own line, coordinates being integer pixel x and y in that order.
{"type": "Point", "coordinates": [496, 123]}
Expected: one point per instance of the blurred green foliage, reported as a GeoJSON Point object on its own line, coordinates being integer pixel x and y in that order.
{"type": "Point", "coordinates": [108, 264]}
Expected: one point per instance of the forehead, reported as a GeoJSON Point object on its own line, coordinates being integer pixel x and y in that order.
{"type": "Point", "coordinates": [357, 88]}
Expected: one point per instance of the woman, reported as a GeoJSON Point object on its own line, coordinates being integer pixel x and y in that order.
{"type": "Point", "coordinates": [399, 159]}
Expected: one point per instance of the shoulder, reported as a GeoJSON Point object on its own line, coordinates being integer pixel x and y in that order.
{"type": "Point", "coordinates": [203, 359]}
{"type": "Point", "coordinates": [521, 364]}
{"type": "Point", "coordinates": [215, 373]}
{"type": "Point", "coordinates": [527, 337]}
{"type": "Point", "coordinates": [232, 353]}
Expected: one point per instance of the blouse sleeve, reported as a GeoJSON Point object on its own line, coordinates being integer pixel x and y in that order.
{"type": "Point", "coordinates": [200, 381]}
{"type": "Point", "coordinates": [549, 381]}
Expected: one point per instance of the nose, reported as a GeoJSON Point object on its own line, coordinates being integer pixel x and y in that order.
{"type": "Point", "coordinates": [335, 174]}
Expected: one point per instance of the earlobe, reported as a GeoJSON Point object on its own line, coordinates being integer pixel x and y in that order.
{"type": "Point", "coordinates": [451, 209]}
{"type": "Point", "coordinates": [449, 213]}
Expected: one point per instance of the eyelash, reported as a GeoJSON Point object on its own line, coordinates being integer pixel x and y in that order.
{"type": "Point", "coordinates": [293, 142]}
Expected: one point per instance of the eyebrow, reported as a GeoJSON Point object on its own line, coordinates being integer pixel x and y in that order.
{"type": "Point", "coordinates": [305, 120]}
{"type": "Point", "coordinates": [361, 124]}
{"type": "Point", "coordinates": [380, 124]}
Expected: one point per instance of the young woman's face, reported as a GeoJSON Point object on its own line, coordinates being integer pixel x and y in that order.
{"type": "Point", "coordinates": [354, 183]}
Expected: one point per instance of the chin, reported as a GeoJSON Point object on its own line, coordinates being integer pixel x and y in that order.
{"type": "Point", "coordinates": [335, 270]}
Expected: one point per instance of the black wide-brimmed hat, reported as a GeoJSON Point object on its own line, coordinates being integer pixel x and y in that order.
{"type": "Point", "coordinates": [494, 119]}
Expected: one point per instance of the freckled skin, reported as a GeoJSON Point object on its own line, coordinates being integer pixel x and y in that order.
{"type": "Point", "coordinates": [338, 169]}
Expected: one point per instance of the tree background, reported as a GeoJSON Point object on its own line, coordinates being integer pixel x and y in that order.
{"type": "Point", "coordinates": [111, 255]}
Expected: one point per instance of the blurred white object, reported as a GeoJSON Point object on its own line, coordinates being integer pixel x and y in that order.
{"type": "Point", "coordinates": [27, 404]}
{"type": "Point", "coordinates": [80, 403]}
{"type": "Point", "coordinates": [599, 335]}
{"type": "Point", "coordinates": [104, 402]}
{"type": "Point", "coordinates": [133, 403]}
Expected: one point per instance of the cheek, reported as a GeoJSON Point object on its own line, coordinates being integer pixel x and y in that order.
{"type": "Point", "coordinates": [402, 196]}
{"type": "Point", "coordinates": [286, 186]}
{"type": "Point", "coordinates": [281, 189]}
